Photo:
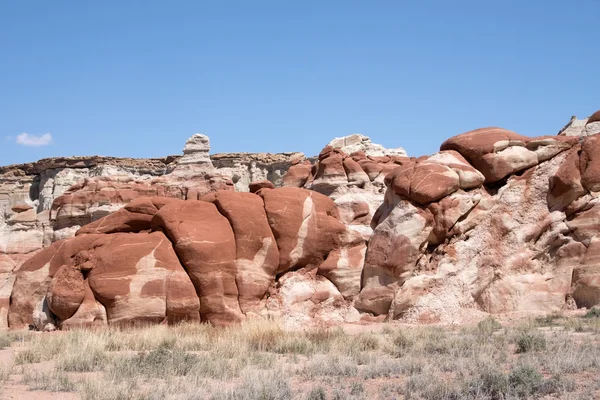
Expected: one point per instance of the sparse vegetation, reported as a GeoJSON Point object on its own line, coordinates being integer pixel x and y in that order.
{"type": "Point", "coordinates": [528, 341]}
{"type": "Point", "coordinates": [262, 360]}
{"type": "Point", "coordinates": [593, 313]}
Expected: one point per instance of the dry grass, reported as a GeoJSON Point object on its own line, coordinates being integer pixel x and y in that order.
{"type": "Point", "coordinates": [553, 356]}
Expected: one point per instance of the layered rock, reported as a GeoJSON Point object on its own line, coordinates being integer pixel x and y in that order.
{"type": "Point", "coordinates": [351, 170]}
{"type": "Point", "coordinates": [495, 222]}
{"type": "Point", "coordinates": [442, 251]}
{"type": "Point", "coordinates": [215, 259]}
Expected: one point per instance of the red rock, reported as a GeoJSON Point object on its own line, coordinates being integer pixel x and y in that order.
{"type": "Point", "coordinates": [257, 256]}
{"type": "Point", "coordinates": [469, 177]}
{"type": "Point", "coordinates": [424, 182]}
{"type": "Point", "coordinates": [297, 175]}
{"type": "Point", "coordinates": [356, 175]}
{"type": "Point", "coordinates": [134, 217]}
{"type": "Point", "coordinates": [19, 208]}
{"type": "Point", "coordinates": [66, 292]}
{"type": "Point", "coordinates": [330, 170]}
{"type": "Point", "coordinates": [204, 242]}
{"type": "Point", "coordinates": [565, 185]}
{"type": "Point", "coordinates": [90, 313]}
{"type": "Point", "coordinates": [256, 186]}
{"type": "Point", "coordinates": [586, 225]}
{"type": "Point", "coordinates": [305, 224]}
{"type": "Point", "coordinates": [495, 152]}
{"type": "Point", "coordinates": [595, 117]}
{"type": "Point", "coordinates": [35, 275]}
{"type": "Point", "coordinates": [138, 278]}
{"type": "Point", "coordinates": [589, 163]}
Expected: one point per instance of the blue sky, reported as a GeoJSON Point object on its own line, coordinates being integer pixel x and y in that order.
{"type": "Point", "coordinates": [136, 78]}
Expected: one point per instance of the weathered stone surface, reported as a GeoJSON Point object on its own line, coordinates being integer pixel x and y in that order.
{"type": "Point", "coordinates": [297, 174]}
{"type": "Point", "coordinates": [204, 241]}
{"type": "Point", "coordinates": [495, 222]}
{"type": "Point", "coordinates": [34, 277]}
{"type": "Point", "coordinates": [139, 279]}
{"type": "Point", "coordinates": [256, 186]}
{"type": "Point", "coordinates": [66, 292]}
{"type": "Point", "coordinates": [424, 182]}
{"type": "Point", "coordinates": [357, 142]}
{"type": "Point", "coordinates": [305, 224]}
{"type": "Point", "coordinates": [256, 256]}
{"type": "Point", "coordinates": [565, 185]}
{"type": "Point", "coordinates": [495, 152]}
{"type": "Point", "coordinates": [589, 163]}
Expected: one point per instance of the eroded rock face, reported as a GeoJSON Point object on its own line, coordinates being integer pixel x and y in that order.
{"type": "Point", "coordinates": [446, 252]}
{"type": "Point", "coordinates": [495, 222]}
{"type": "Point", "coordinates": [215, 259]}
{"type": "Point", "coordinates": [350, 170]}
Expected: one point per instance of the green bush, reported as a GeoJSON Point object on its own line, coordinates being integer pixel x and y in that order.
{"type": "Point", "coordinates": [593, 313]}
{"type": "Point", "coordinates": [525, 381]}
{"type": "Point", "coordinates": [488, 326]}
{"type": "Point", "coordinates": [527, 342]}
{"type": "Point", "coordinates": [317, 393]}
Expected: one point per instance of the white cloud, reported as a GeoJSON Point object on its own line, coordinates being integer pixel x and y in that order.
{"type": "Point", "coordinates": [27, 139]}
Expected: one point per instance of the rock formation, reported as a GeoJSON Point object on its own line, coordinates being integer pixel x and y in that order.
{"type": "Point", "coordinates": [495, 222]}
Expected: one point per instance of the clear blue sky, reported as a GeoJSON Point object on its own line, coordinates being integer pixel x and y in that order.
{"type": "Point", "coordinates": [136, 78]}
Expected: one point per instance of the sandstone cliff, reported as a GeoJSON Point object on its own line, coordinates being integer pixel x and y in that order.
{"type": "Point", "coordinates": [495, 222]}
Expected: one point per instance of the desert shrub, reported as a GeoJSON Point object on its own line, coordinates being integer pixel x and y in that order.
{"type": "Point", "coordinates": [525, 380]}
{"type": "Point", "coordinates": [557, 384]}
{"type": "Point", "coordinates": [527, 342]}
{"type": "Point", "coordinates": [265, 338]}
{"type": "Point", "coordinates": [326, 365]}
{"type": "Point", "coordinates": [401, 341]}
{"type": "Point", "coordinates": [356, 389]}
{"type": "Point", "coordinates": [429, 387]}
{"type": "Point", "coordinates": [5, 371]}
{"type": "Point", "coordinates": [548, 320]}
{"type": "Point", "coordinates": [322, 338]}
{"type": "Point", "coordinates": [317, 393]}
{"type": "Point", "coordinates": [488, 326]}
{"type": "Point", "coordinates": [593, 313]}
{"type": "Point", "coordinates": [27, 356]}
{"type": "Point", "coordinates": [6, 339]}
{"type": "Point", "coordinates": [382, 367]}
{"type": "Point", "coordinates": [293, 344]}
{"type": "Point", "coordinates": [49, 381]}
{"type": "Point", "coordinates": [157, 363]}
{"type": "Point", "coordinates": [82, 361]}
{"type": "Point", "coordinates": [263, 387]}
{"type": "Point", "coordinates": [490, 382]}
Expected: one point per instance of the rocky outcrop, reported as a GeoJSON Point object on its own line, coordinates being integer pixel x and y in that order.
{"type": "Point", "coordinates": [350, 170]}
{"type": "Point", "coordinates": [215, 259]}
{"type": "Point", "coordinates": [523, 240]}
{"type": "Point", "coordinates": [495, 222]}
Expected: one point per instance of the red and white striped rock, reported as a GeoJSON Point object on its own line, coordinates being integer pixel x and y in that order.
{"type": "Point", "coordinates": [257, 256]}
{"type": "Point", "coordinates": [138, 279]}
{"type": "Point", "coordinates": [424, 182]}
{"type": "Point", "coordinates": [204, 242]}
{"type": "Point", "coordinates": [495, 152]}
{"type": "Point", "coordinates": [469, 177]}
{"type": "Point", "coordinates": [305, 224]}
{"type": "Point", "coordinates": [589, 163]}
{"type": "Point", "coordinates": [297, 174]}
{"type": "Point", "coordinates": [565, 184]}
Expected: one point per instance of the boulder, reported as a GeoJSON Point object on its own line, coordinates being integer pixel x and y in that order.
{"type": "Point", "coordinates": [589, 163]}
{"type": "Point", "coordinates": [256, 255]}
{"type": "Point", "coordinates": [138, 279]}
{"type": "Point", "coordinates": [305, 224]}
{"type": "Point", "coordinates": [204, 242]}
{"type": "Point", "coordinates": [495, 152]}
